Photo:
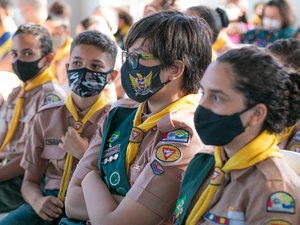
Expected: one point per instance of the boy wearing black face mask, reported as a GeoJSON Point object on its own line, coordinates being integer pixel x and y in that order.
{"type": "Point", "coordinates": [31, 56]}
{"type": "Point", "coordinates": [144, 149]}
{"type": "Point", "coordinates": [61, 131]}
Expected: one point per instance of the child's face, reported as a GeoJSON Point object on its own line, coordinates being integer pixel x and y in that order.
{"type": "Point", "coordinates": [26, 48]}
{"type": "Point", "coordinates": [90, 57]}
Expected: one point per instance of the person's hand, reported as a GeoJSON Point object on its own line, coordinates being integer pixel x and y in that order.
{"type": "Point", "coordinates": [73, 143]}
{"type": "Point", "coordinates": [48, 208]}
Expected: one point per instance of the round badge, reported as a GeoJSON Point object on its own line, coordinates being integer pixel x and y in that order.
{"type": "Point", "coordinates": [114, 178]}
{"type": "Point", "coordinates": [167, 153]}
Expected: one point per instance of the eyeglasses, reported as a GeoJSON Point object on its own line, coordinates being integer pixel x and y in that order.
{"type": "Point", "coordinates": [134, 58]}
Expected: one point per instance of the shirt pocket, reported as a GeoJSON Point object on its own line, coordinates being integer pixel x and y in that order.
{"type": "Point", "coordinates": [54, 155]}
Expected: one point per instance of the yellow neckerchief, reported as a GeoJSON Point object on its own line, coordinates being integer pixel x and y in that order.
{"type": "Point", "coordinates": [44, 77]}
{"type": "Point", "coordinates": [139, 129]}
{"type": "Point", "coordinates": [101, 102]}
{"type": "Point", "coordinates": [61, 52]}
{"type": "Point", "coordinates": [262, 147]}
{"type": "Point", "coordinates": [287, 132]}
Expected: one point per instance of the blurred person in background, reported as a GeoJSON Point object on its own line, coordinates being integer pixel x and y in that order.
{"type": "Point", "coordinates": [7, 28]}
{"type": "Point", "coordinates": [278, 19]}
{"type": "Point", "coordinates": [58, 25]}
{"type": "Point", "coordinates": [33, 11]}
{"type": "Point", "coordinates": [256, 19]}
{"type": "Point", "coordinates": [125, 21]}
{"type": "Point", "coordinates": [159, 5]}
{"type": "Point", "coordinates": [237, 14]}
{"type": "Point", "coordinates": [217, 20]}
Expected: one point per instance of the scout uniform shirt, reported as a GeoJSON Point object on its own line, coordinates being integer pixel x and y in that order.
{"type": "Point", "coordinates": [42, 154]}
{"type": "Point", "coordinates": [265, 194]}
{"type": "Point", "coordinates": [34, 99]}
{"type": "Point", "coordinates": [156, 173]}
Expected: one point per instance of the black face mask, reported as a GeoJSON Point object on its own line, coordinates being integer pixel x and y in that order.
{"type": "Point", "coordinates": [141, 83]}
{"type": "Point", "coordinates": [87, 83]}
{"type": "Point", "coordinates": [215, 129]}
{"type": "Point", "coordinates": [26, 70]}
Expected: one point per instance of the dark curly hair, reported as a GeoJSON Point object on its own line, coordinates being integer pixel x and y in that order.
{"type": "Point", "coordinates": [287, 51]}
{"type": "Point", "coordinates": [97, 39]}
{"type": "Point", "coordinates": [262, 80]}
{"type": "Point", "coordinates": [173, 36]}
{"type": "Point", "coordinates": [40, 33]}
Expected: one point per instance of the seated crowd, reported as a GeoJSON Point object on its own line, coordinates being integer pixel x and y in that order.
{"type": "Point", "coordinates": [180, 117]}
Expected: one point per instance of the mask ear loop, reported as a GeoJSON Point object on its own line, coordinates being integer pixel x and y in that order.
{"type": "Point", "coordinates": [246, 109]}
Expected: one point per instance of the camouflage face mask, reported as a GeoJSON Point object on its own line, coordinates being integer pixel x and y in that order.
{"type": "Point", "coordinates": [87, 83]}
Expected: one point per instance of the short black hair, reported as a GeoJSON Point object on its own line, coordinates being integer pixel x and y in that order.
{"type": "Point", "coordinates": [216, 19]}
{"type": "Point", "coordinates": [97, 39]}
{"type": "Point", "coordinates": [38, 31]}
{"type": "Point", "coordinates": [173, 36]}
{"type": "Point", "coordinates": [262, 80]}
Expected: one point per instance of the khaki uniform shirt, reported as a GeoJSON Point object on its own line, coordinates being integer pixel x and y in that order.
{"type": "Point", "coordinates": [157, 171]}
{"type": "Point", "coordinates": [42, 154]}
{"type": "Point", "coordinates": [34, 99]}
{"type": "Point", "coordinates": [265, 194]}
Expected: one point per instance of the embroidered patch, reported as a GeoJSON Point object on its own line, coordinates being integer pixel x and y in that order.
{"type": "Point", "coordinates": [167, 153]}
{"type": "Point", "coordinates": [52, 141]}
{"type": "Point", "coordinates": [157, 168]}
{"type": "Point", "coordinates": [136, 135]}
{"type": "Point", "coordinates": [114, 137]}
{"type": "Point", "coordinates": [179, 135]}
{"type": "Point", "coordinates": [277, 222]}
{"type": "Point", "coordinates": [114, 178]}
{"type": "Point", "coordinates": [179, 207]}
{"type": "Point", "coordinates": [217, 176]}
{"type": "Point", "coordinates": [216, 219]}
{"type": "Point", "coordinates": [281, 202]}
{"type": "Point", "coordinates": [51, 98]}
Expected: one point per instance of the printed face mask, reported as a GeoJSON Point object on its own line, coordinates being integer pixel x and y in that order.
{"type": "Point", "coordinates": [85, 82]}
{"type": "Point", "coordinates": [26, 70]}
{"type": "Point", "coordinates": [141, 83]}
{"type": "Point", "coordinates": [215, 129]}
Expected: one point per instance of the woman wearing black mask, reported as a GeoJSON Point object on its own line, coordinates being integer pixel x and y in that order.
{"type": "Point", "coordinates": [247, 98]}
{"type": "Point", "coordinates": [32, 54]}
